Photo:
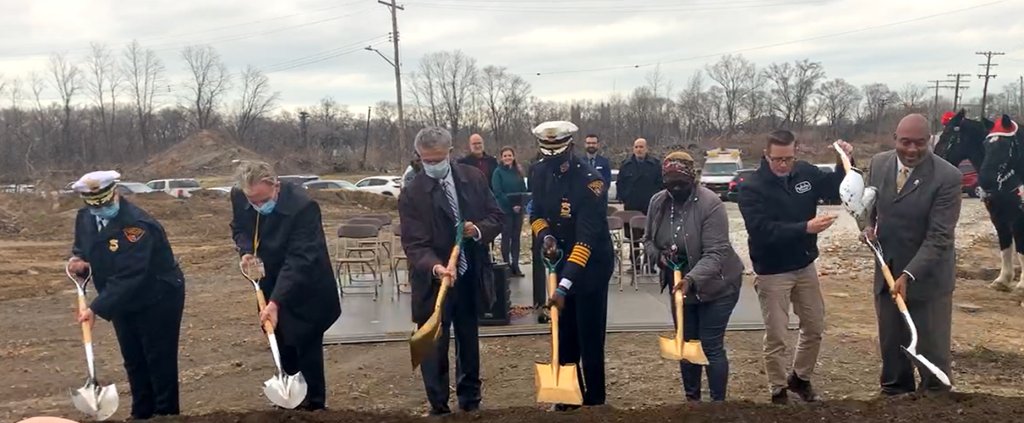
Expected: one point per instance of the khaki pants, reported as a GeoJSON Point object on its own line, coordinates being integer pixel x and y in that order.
{"type": "Point", "coordinates": [776, 293]}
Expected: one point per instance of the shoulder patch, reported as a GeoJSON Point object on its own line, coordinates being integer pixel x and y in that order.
{"type": "Point", "coordinates": [597, 186]}
{"type": "Point", "coordinates": [133, 233]}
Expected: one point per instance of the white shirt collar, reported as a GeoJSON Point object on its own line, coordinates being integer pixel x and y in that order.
{"type": "Point", "coordinates": [900, 166]}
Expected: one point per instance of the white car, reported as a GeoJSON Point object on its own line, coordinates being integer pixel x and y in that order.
{"type": "Point", "coordinates": [329, 184]}
{"type": "Point", "coordinates": [179, 188]}
{"type": "Point", "coordinates": [383, 185]}
{"type": "Point", "coordinates": [297, 179]}
{"type": "Point", "coordinates": [133, 188]}
{"type": "Point", "coordinates": [612, 190]}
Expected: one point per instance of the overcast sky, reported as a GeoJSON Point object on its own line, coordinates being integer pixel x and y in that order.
{"type": "Point", "coordinates": [583, 49]}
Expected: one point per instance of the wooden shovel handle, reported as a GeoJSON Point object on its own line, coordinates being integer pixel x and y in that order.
{"type": "Point", "coordinates": [900, 303]}
{"type": "Point", "coordinates": [677, 276]}
{"type": "Point", "coordinates": [86, 327]}
{"type": "Point", "coordinates": [552, 286]}
{"type": "Point", "coordinates": [261, 301]}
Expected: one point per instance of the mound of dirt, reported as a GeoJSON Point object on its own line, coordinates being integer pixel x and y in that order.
{"type": "Point", "coordinates": [205, 153]}
{"type": "Point", "coordinates": [9, 223]}
{"type": "Point", "coordinates": [949, 408]}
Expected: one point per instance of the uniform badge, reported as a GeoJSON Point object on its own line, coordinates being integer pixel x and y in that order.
{"type": "Point", "coordinates": [802, 187]}
{"type": "Point", "coordinates": [597, 186]}
{"type": "Point", "coordinates": [566, 208]}
{"type": "Point", "coordinates": [133, 233]}
{"type": "Point", "coordinates": [112, 245]}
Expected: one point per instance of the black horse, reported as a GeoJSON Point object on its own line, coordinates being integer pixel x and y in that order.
{"type": "Point", "coordinates": [996, 150]}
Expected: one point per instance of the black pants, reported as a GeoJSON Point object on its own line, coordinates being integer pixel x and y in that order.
{"type": "Point", "coordinates": [307, 358]}
{"type": "Point", "coordinates": [540, 290]}
{"type": "Point", "coordinates": [706, 322]}
{"type": "Point", "coordinates": [511, 232]}
{"type": "Point", "coordinates": [149, 345]}
{"type": "Point", "coordinates": [459, 310]}
{"type": "Point", "coordinates": [582, 334]}
{"type": "Point", "coordinates": [933, 319]}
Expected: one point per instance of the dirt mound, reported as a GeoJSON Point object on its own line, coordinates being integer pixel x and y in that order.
{"type": "Point", "coordinates": [9, 223]}
{"type": "Point", "coordinates": [948, 408]}
{"type": "Point", "coordinates": [205, 153]}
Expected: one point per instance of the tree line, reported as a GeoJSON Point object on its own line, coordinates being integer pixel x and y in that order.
{"type": "Point", "coordinates": [121, 106]}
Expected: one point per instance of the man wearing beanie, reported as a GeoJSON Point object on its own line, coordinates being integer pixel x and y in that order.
{"type": "Point", "coordinates": [779, 204]}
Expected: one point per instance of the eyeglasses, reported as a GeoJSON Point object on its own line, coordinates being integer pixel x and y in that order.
{"type": "Point", "coordinates": [782, 160]}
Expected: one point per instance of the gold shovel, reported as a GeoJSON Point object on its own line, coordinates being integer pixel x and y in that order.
{"type": "Point", "coordinates": [556, 384]}
{"type": "Point", "coordinates": [421, 343]}
{"type": "Point", "coordinates": [677, 349]}
{"type": "Point", "coordinates": [99, 402]}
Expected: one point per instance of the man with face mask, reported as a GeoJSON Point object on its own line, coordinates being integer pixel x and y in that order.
{"type": "Point", "coordinates": [430, 210]}
{"type": "Point", "coordinates": [279, 235]}
{"type": "Point", "coordinates": [569, 222]}
{"type": "Point", "coordinates": [687, 225]}
{"type": "Point", "coordinates": [140, 289]}
{"type": "Point", "coordinates": [779, 203]}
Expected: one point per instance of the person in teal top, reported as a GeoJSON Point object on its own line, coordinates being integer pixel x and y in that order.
{"type": "Point", "coordinates": [509, 188]}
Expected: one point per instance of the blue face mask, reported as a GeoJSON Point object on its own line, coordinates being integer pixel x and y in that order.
{"type": "Point", "coordinates": [438, 170]}
{"type": "Point", "coordinates": [106, 212]}
{"type": "Point", "coordinates": [266, 208]}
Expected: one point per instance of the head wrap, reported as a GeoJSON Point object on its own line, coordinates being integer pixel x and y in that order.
{"type": "Point", "coordinates": [678, 162]}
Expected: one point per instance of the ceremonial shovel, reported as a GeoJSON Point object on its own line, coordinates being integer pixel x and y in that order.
{"type": "Point", "coordinates": [98, 402]}
{"type": "Point", "coordinates": [422, 341]}
{"type": "Point", "coordinates": [859, 201]}
{"type": "Point", "coordinates": [286, 391]}
{"type": "Point", "coordinates": [556, 384]}
{"type": "Point", "coordinates": [677, 349]}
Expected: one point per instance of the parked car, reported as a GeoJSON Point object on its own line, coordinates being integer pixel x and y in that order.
{"type": "Point", "coordinates": [333, 184]}
{"type": "Point", "coordinates": [383, 185]}
{"type": "Point", "coordinates": [298, 179]}
{"type": "Point", "coordinates": [969, 181]}
{"type": "Point", "coordinates": [125, 188]}
{"type": "Point", "coordinates": [179, 188]}
{"type": "Point", "coordinates": [733, 194]}
{"type": "Point", "coordinates": [18, 188]}
{"type": "Point", "coordinates": [612, 187]}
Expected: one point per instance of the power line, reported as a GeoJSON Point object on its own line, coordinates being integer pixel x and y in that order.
{"type": "Point", "coordinates": [988, 67]}
{"type": "Point", "coordinates": [346, 52]}
{"type": "Point", "coordinates": [527, 7]}
{"type": "Point", "coordinates": [958, 87]}
{"type": "Point", "coordinates": [773, 45]}
{"type": "Point", "coordinates": [277, 67]}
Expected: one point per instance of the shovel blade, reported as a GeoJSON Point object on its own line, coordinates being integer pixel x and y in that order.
{"type": "Point", "coordinates": [97, 402]}
{"type": "Point", "coordinates": [422, 342]}
{"type": "Point", "coordinates": [694, 353]}
{"type": "Point", "coordinates": [690, 351]}
{"type": "Point", "coordinates": [558, 386]}
{"type": "Point", "coordinates": [932, 368]}
{"type": "Point", "coordinates": [286, 391]}
{"type": "Point", "coordinates": [670, 349]}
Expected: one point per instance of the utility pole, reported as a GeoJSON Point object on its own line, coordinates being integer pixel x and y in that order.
{"type": "Point", "coordinates": [366, 138]}
{"type": "Point", "coordinates": [397, 63]}
{"type": "Point", "coordinates": [1020, 100]}
{"type": "Point", "coordinates": [935, 103]}
{"type": "Point", "coordinates": [988, 66]}
{"type": "Point", "coordinates": [303, 126]}
{"type": "Point", "coordinates": [959, 86]}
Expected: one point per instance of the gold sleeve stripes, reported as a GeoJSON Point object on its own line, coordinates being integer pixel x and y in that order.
{"type": "Point", "coordinates": [580, 254]}
{"type": "Point", "coordinates": [538, 226]}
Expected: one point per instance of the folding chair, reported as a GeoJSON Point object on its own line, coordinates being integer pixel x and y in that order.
{"type": "Point", "coordinates": [612, 210]}
{"type": "Point", "coordinates": [641, 266]}
{"type": "Point", "coordinates": [385, 223]}
{"type": "Point", "coordinates": [350, 239]}
{"type": "Point", "coordinates": [398, 257]}
{"type": "Point", "coordinates": [615, 230]}
{"type": "Point", "coordinates": [628, 233]}
{"type": "Point", "coordinates": [374, 245]}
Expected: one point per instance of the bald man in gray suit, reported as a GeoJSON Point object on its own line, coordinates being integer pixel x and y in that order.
{"type": "Point", "coordinates": [914, 220]}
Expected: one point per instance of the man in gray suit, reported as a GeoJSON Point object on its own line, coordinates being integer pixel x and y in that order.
{"type": "Point", "coordinates": [914, 218]}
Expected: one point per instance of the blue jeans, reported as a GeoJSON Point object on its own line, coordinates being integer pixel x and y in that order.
{"type": "Point", "coordinates": [706, 322]}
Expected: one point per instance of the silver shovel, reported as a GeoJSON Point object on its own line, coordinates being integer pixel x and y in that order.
{"type": "Point", "coordinates": [902, 305]}
{"type": "Point", "coordinates": [285, 391]}
{"type": "Point", "coordinates": [99, 402]}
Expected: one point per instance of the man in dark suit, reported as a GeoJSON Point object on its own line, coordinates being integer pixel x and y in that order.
{"type": "Point", "coordinates": [914, 219]}
{"type": "Point", "coordinates": [278, 228]}
{"type": "Point", "coordinates": [140, 287]}
{"type": "Point", "coordinates": [597, 161]}
{"type": "Point", "coordinates": [429, 209]}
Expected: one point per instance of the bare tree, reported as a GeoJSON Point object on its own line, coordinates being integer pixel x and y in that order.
{"type": "Point", "coordinates": [446, 83]}
{"type": "Point", "coordinates": [504, 96]}
{"type": "Point", "coordinates": [208, 81]}
{"type": "Point", "coordinates": [256, 101]}
{"type": "Point", "coordinates": [877, 100]}
{"type": "Point", "coordinates": [838, 98]}
{"type": "Point", "coordinates": [67, 80]}
{"type": "Point", "coordinates": [735, 75]}
{"type": "Point", "coordinates": [913, 96]}
{"type": "Point", "coordinates": [793, 86]}
{"type": "Point", "coordinates": [143, 71]}
{"type": "Point", "coordinates": [101, 70]}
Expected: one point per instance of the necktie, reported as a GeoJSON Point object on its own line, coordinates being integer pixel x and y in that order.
{"type": "Point", "coordinates": [449, 191]}
{"type": "Point", "coordinates": [100, 224]}
{"type": "Point", "coordinates": [901, 178]}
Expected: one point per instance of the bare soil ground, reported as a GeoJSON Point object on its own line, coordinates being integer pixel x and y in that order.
{"type": "Point", "coordinates": [224, 357]}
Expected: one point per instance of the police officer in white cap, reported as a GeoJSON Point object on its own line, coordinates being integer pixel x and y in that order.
{"type": "Point", "coordinates": [569, 221]}
{"type": "Point", "coordinates": [140, 289]}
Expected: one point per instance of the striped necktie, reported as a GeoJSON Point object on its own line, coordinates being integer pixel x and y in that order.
{"type": "Point", "coordinates": [449, 191]}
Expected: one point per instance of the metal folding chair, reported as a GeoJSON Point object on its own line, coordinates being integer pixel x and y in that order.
{"type": "Point", "coordinates": [397, 257]}
{"type": "Point", "coordinates": [641, 266]}
{"type": "Point", "coordinates": [351, 240]}
{"type": "Point", "coordinates": [615, 229]}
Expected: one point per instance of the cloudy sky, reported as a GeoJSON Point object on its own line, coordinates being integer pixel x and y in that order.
{"type": "Point", "coordinates": [567, 49]}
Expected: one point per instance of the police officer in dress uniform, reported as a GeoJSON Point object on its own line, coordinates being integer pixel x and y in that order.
{"type": "Point", "coordinates": [141, 289]}
{"type": "Point", "coordinates": [569, 216]}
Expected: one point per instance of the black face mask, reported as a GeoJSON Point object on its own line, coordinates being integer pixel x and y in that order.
{"type": "Point", "coordinates": [680, 191]}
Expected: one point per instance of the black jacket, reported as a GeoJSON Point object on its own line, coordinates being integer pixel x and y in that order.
{"type": "Point", "coordinates": [638, 181]}
{"type": "Point", "coordinates": [132, 262]}
{"type": "Point", "coordinates": [776, 210]}
{"type": "Point", "coordinates": [298, 266]}
{"type": "Point", "coordinates": [485, 164]}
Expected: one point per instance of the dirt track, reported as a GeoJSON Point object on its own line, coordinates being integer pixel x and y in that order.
{"type": "Point", "coordinates": [224, 359]}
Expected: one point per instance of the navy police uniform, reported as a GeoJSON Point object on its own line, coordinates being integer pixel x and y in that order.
{"type": "Point", "coordinates": [569, 204]}
{"type": "Point", "coordinates": [141, 290]}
